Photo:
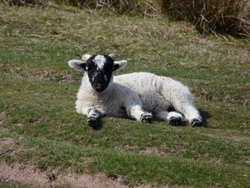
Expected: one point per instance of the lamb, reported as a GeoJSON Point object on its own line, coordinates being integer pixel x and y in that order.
{"type": "Point", "coordinates": [140, 95]}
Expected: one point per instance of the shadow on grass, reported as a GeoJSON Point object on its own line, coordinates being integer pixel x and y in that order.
{"type": "Point", "coordinates": [95, 125]}
{"type": "Point", "coordinates": [205, 116]}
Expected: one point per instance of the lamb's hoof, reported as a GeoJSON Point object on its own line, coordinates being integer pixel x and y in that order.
{"type": "Point", "coordinates": [147, 118]}
{"type": "Point", "coordinates": [175, 121]}
{"type": "Point", "coordinates": [94, 123]}
{"type": "Point", "coordinates": [196, 123]}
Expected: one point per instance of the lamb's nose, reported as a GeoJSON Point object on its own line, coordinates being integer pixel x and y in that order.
{"type": "Point", "coordinates": [98, 85]}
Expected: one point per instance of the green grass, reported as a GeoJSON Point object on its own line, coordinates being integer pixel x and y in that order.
{"type": "Point", "coordinates": [38, 93]}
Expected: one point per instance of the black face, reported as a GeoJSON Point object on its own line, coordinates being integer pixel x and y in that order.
{"type": "Point", "coordinates": [100, 69]}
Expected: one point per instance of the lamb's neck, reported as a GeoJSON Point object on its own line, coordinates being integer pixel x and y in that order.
{"type": "Point", "coordinates": [108, 92]}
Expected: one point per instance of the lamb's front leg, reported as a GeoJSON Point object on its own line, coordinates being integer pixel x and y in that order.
{"type": "Point", "coordinates": [136, 112]}
{"type": "Point", "coordinates": [94, 117]}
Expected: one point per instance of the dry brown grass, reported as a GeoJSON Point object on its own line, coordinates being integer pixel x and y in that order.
{"type": "Point", "coordinates": [217, 16]}
{"type": "Point", "coordinates": [209, 16]}
{"type": "Point", "coordinates": [24, 2]}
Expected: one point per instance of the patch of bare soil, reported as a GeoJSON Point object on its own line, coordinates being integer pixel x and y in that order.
{"type": "Point", "coordinates": [2, 117]}
{"type": "Point", "coordinates": [30, 176]}
{"type": "Point", "coordinates": [236, 138]}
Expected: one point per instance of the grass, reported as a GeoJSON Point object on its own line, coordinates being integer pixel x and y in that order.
{"type": "Point", "coordinates": [38, 91]}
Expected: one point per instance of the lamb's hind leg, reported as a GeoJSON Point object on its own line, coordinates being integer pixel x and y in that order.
{"type": "Point", "coordinates": [191, 114]}
{"type": "Point", "coordinates": [173, 118]}
{"type": "Point", "coordinates": [179, 96]}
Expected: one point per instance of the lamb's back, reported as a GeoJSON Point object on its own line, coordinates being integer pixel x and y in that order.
{"type": "Point", "coordinates": [138, 81]}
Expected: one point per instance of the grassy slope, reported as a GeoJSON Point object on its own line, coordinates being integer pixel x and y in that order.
{"type": "Point", "coordinates": [37, 93]}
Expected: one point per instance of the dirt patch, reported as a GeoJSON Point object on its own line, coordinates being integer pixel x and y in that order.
{"type": "Point", "coordinates": [147, 151]}
{"type": "Point", "coordinates": [153, 150]}
{"type": "Point", "coordinates": [235, 138]}
{"type": "Point", "coordinates": [246, 100]}
{"type": "Point", "coordinates": [2, 117]}
{"type": "Point", "coordinates": [6, 143]}
{"type": "Point", "coordinates": [30, 176]}
{"type": "Point", "coordinates": [9, 147]}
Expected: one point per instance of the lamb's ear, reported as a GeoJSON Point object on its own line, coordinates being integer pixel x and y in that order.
{"type": "Point", "coordinates": [113, 56]}
{"type": "Point", "coordinates": [85, 57]}
{"type": "Point", "coordinates": [119, 64]}
{"type": "Point", "coordinates": [78, 65]}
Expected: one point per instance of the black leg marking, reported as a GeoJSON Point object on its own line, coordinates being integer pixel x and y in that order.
{"type": "Point", "coordinates": [94, 120]}
{"type": "Point", "coordinates": [175, 121]}
{"type": "Point", "coordinates": [196, 123]}
{"type": "Point", "coordinates": [95, 123]}
{"type": "Point", "coordinates": [146, 118]}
